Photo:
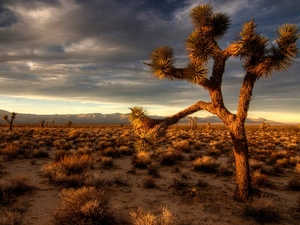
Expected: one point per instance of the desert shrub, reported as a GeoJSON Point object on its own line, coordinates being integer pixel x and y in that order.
{"type": "Point", "coordinates": [75, 164]}
{"type": "Point", "coordinates": [62, 144]}
{"type": "Point", "coordinates": [183, 145]}
{"type": "Point", "coordinates": [262, 211]}
{"type": "Point", "coordinates": [68, 170]}
{"type": "Point", "coordinates": [148, 182]}
{"type": "Point", "coordinates": [11, 150]}
{"type": "Point", "coordinates": [226, 170]}
{"type": "Point", "coordinates": [73, 134]}
{"type": "Point", "coordinates": [40, 154]}
{"type": "Point", "coordinates": [13, 187]}
{"type": "Point", "coordinates": [11, 218]}
{"type": "Point", "coordinates": [119, 180]}
{"type": "Point", "coordinates": [297, 168]}
{"type": "Point", "coordinates": [213, 152]}
{"type": "Point", "coordinates": [278, 168]}
{"type": "Point", "coordinates": [111, 152]}
{"type": "Point", "coordinates": [86, 205]}
{"type": "Point", "coordinates": [58, 154]}
{"type": "Point", "coordinates": [178, 184]}
{"type": "Point", "coordinates": [259, 178]}
{"type": "Point", "coordinates": [255, 165]}
{"type": "Point", "coordinates": [153, 170]}
{"type": "Point", "coordinates": [106, 161]}
{"type": "Point", "coordinates": [143, 217]}
{"type": "Point", "coordinates": [206, 164]}
{"type": "Point", "coordinates": [141, 159]}
{"type": "Point", "coordinates": [294, 184]}
{"type": "Point", "coordinates": [105, 144]}
{"type": "Point", "coordinates": [170, 157]}
{"type": "Point", "coordinates": [125, 150]}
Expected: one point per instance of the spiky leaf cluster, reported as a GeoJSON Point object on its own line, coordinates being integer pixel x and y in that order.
{"type": "Point", "coordinates": [139, 118]}
{"type": "Point", "coordinates": [250, 44]}
{"type": "Point", "coordinates": [195, 73]}
{"type": "Point", "coordinates": [161, 62]}
{"type": "Point", "coordinates": [283, 55]}
{"type": "Point", "coordinates": [209, 23]}
{"type": "Point", "coordinates": [200, 48]}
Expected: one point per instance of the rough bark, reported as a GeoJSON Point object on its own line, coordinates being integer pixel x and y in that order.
{"type": "Point", "coordinates": [243, 179]}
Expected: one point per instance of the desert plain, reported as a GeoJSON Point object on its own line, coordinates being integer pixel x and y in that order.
{"type": "Point", "coordinates": [56, 175]}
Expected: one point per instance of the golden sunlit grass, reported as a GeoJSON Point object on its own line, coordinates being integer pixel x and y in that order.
{"type": "Point", "coordinates": [143, 217]}
{"type": "Point", "coordinates": [86, 205]}
{"type": "Point", "coordinates": [206, 164]}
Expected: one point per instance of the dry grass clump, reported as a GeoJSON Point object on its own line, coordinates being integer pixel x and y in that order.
{"type": "Point", "coordinates": [148, 182]}
{"type": "Point", "coordinates": [170, 157]}
{"type": "Point", "coordinates": [255, 164]}
{"type": "Point", "coordinates": [11, 218]}
{"type": "Point", "coordinates": [125, 150]}
{"type": "Point", "coordinates": [111, 152]}
{"type": "Point", "coordinates": [106, 161]}
{"type": "Point", "coordinates": [73, 134]}
{"type": "Point", "coordinates": [143, 217]}
{"type": "Point", "coordinates": [297, 168]}
{"type": "Point", "coordinates": [183, 145]}
{"type": "Point", "coordinates": [141, 159]}
{"type": "Point", "coordinates": [86, 205]}
{"type": "Point", "coordinates": [153, 171]}
{"type": "Point", "coordinates": [13, 187]}
{"type": "Point", "coordinates": [38, 153]}
{"type": "Point", "coordinates": [68, 169]}
{"type": "Point", "coordinates": [260, 179]}
{"type": "Point", "coordinates": [206, 164]}
{"type": "Point", "coordinates": [294, 184]}
{"type": "Point", "coordinates": [11, 150]}
{"type": "Point", "coordinates": [262, 211]}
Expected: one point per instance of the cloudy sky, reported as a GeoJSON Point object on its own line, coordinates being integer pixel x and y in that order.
{"type": "Point", "coordinates": [86, 56]}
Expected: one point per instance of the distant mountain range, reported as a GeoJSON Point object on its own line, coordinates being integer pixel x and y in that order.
{"type": "Point", "coordinates": [99, 118]}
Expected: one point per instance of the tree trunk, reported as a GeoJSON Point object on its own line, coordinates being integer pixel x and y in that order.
{"type": "Point", "coordinates": [243, 179]}
{"type": "Point", "coordinates": [10, 126]}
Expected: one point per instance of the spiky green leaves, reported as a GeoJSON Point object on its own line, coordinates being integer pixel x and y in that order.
{"type": "Point", "coordinates": [138, 117]}
{"type": "Point", "coordinates": [200, 49]}
{"type": "Point", "coordinates": [250, 44]}
{"type": "Point", "coordinates": [287, 50]}
{"type": "Point", "coordinates": [195, 73]}
{"type": "Point", "coordinates": [214, 24]}
{"type": "Point", "coordinates": [161, 62]}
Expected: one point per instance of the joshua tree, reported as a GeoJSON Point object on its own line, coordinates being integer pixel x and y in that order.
{"type": "Point", "coordinates": [13, 116]}
{"type": "Point", "coordinates": [193, 122]}
{"type": "Point", "coordinates": [208, 126]}
{"type": "Point", "coordinates": [42, 123]}
{"type": "Point", "coordinates": [69, 124]}
{"type": "Point", "coordinates": [53, 123]}
{"type": "Point", "coordinates": [260, 58]}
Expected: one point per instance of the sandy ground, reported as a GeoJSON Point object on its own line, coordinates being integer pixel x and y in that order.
{"type": "Point", "coordinates": [211, 204]}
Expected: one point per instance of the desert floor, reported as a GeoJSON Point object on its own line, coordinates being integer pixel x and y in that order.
{"type": "Point", "coordinates": [169, 180]}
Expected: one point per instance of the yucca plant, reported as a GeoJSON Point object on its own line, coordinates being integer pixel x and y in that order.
{"type": "Point", "coordinates": [12, 118]}
{"type": "Point", "coordinates": [260, 58]}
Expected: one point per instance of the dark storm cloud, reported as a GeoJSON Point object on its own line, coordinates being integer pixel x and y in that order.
{"type": "Point", "coordinates": [95, 49]}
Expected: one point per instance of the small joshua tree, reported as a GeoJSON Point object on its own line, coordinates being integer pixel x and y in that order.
{"type": "Point", "coordinates": [193, 122]}
{"type": "Point", "coordinates": [69, 124]}
{"type": "Point", "coordinates": [53, 123]}
{"type": "Point", "coordinates": [260, 58]}
{"type": "Point", "coordinates": [13, 116]}
{"type": "Point", "coordinates": [42, 123]}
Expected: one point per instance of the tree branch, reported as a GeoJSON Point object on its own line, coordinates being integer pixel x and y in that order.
{"type": "Point", "coordinates": [207, 106]}
{"type": "Point", "coordinates": [245, 97]}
